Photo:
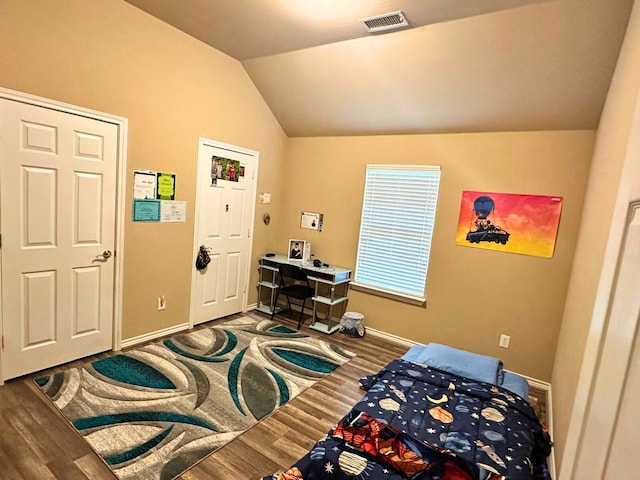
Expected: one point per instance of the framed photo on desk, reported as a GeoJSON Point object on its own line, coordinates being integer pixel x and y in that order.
{"type": "Point", "coordinates": [299, 250]}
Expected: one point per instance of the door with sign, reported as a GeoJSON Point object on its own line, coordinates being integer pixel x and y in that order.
{"type": "Point", "coordinates": [225, 208]}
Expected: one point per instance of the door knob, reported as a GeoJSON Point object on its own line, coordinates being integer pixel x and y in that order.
{"type": "Point", "coordinates": [106, 254]}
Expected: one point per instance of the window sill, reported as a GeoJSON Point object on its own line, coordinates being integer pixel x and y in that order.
{"type": "Point", "coordinates": [421, 302]}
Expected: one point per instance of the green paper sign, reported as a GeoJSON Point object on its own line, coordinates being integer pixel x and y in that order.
{"type": "Point", "coordinates": [166, 186]}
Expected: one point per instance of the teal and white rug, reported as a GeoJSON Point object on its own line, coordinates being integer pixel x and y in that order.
{"type": "Point", "coordinates": [154, 412]}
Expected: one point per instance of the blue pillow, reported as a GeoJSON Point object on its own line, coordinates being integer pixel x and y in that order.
{"type": "Point", "coordinates": [516, 384]}
{"type": "Point", "coordinates": [413, 353]}
{"type": "Point", "coordinates": [459, 362]}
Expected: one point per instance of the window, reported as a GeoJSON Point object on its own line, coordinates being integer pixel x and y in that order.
{"type": "Point", "coordinates": [396, 229]}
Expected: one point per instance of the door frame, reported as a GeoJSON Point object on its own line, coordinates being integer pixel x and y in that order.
{"type": "Point", "coordinates": [610, 341]}
{"type": "Point", "coordinates": [122, 125]}
{"type": "Point", "coordinates": [202, 143]}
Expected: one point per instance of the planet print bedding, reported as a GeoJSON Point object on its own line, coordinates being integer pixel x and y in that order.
{"type": "Point", "coordinates": [419, 422]}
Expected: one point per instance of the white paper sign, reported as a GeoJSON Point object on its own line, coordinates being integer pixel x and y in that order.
{"type": "Point", "coordinates": [173, 211]}
{"type": "Point", "coordinates": [264, 197]}
{"type": "Point", "coordinates": [144, 184]}
{"type": "Point", "coordinates": [312, 221]}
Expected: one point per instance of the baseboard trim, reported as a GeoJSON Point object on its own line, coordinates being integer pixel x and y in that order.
{"type": "Point", "coordinates": [130, 342]}
{"type": "Point", "coordinates": [547, 388]}
{"type": "Point", "coordinates": [391, 337]}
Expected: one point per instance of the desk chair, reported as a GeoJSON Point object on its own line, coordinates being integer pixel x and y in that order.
{"type": "Point", "coordinates": [293, 284]}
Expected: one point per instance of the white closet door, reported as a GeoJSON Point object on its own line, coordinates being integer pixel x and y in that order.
{"type": "Point", "coordinates": [57, 200]}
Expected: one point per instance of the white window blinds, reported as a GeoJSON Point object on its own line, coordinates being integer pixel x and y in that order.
{"type": "Point", "coordinates": [396, 229]}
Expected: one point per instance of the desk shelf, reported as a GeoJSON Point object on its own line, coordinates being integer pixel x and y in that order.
{"type": "Point", "coordinates": [331, 291]}
{"type": "Point", "coordinates": [329, 294]}
{"type": "Point", "coordinates": [325, 327]}
{"type": "Point", "coordinates": [267, 289]}
{"type": "Point", "coordinates": [328, 301]}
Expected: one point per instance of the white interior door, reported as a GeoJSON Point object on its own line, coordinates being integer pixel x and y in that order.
{"type": "Point", "coordinates": [225, 209]}
{"type": "Point", "coordinates": [57, 200]}
{"type": "Point", "coordinates": [611, 424]}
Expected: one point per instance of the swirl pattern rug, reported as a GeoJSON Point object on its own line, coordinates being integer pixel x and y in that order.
{"type": "Point", "coordinates": [154, 412]}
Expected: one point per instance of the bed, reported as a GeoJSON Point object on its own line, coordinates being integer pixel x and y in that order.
{"type": "Point", "coordinates": [437, 413]}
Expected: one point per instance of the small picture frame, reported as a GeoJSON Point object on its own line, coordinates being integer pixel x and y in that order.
{"type": "Point", "coordinates": [296, 249]}
{"type": "Point", "coordinates": [299, 250]}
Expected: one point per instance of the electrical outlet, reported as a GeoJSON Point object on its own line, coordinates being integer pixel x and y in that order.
{"type": "Point", "coordinates": [162, 303]}
{"type": "Point", "coordinates": [504, 341]}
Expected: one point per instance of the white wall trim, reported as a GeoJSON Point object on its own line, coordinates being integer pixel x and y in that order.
{"type": "Point", "coordinates": [391, 337]}
{"type": "Point", "coordinates": [147, 337]}
{"type": "Point", "coordinates": [552, 457]}
{"type": "Point", "coordinates": [122, 125]}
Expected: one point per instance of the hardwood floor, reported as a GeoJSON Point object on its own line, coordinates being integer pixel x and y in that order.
{"type": "Point", "coordinates": [36, 442]}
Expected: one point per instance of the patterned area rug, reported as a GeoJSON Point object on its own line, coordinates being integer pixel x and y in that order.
{"type": "Point", "coordinates": [154, 412]}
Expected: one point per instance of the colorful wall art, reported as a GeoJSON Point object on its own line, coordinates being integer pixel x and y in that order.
{"type": "Point", "coordinates": [508, 222]}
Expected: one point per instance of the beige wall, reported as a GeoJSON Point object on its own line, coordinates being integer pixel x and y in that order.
{"type": "Point", "coordinates": [583, 323]}
{"type": "Point", "coordinates": [107, 55]}
{"type": "Point", "coordinates": [473, 295]}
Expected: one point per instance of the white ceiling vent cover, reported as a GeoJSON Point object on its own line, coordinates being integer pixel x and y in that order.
{"type": "Point", "coordinates": [387, 21]}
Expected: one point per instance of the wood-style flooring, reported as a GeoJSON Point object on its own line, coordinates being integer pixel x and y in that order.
{"type": "Point", "coordinates": [36, 442]}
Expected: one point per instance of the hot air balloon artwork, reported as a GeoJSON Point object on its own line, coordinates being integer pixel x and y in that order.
{"type": "Point", "coordinates": [515, 223]}
{"type": "Point", "coordinates": [485, 230]}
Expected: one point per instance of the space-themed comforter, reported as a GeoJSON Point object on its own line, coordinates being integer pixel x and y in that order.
{"type": "Point", "coordinates": [422, 423]}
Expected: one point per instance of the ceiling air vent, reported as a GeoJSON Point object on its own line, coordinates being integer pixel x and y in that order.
{"type": "Point", "coordinates": [388, 21]}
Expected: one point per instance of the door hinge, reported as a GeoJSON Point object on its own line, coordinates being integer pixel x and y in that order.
{"type": "Point", "coordinates": [249, 233]}
{"type": "Point", "coordinates": [3, 342]}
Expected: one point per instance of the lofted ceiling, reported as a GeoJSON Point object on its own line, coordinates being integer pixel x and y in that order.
{"type": "Point", "coordinates": [460, 65]}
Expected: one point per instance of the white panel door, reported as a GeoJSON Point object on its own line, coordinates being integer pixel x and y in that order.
{"type": "Point", "coordinates": [224, 224]}
{"type": "Point", "coordinates": [57, 200]}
